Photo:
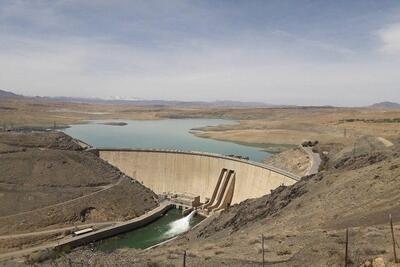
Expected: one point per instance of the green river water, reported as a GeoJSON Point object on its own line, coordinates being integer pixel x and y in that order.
{"type": "Point", "coordinates": [149, 235]}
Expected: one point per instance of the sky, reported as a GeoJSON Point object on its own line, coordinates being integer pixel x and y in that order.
{"type": "Point", "coordinates": [302, 52]}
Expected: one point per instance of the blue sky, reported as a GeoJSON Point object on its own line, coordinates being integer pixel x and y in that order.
{"type": "Point", "coordinates": [281, 52]}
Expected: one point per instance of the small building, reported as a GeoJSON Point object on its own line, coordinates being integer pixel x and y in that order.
{"type": "Point", "coordinates": [184, 200]}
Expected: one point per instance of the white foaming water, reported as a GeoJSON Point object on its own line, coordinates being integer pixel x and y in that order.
{"type": "Point", "coordinates": [180, 226]}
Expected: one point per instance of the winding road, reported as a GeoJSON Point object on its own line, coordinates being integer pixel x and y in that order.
{"type": "Point", "coordinates": [315, 160]}
{"type": "Point", "coordinates": [58, 230]}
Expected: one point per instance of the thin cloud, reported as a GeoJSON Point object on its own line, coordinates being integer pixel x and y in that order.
{"type": "Point", "coordinates": [390, 37]}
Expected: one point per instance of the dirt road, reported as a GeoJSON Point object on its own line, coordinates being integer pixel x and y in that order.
{"type": "Point", "coordinates": [315, 160]}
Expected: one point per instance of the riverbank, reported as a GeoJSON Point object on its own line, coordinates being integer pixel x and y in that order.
{"type": "Point", "coordinates": [70, 242]}
{"type": "Point", "coordinates": [267, 147]}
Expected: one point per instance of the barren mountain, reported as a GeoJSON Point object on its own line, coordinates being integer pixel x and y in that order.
{"type": "Point", "coordinates": [7, 94]}
{"type": "Point", "coordinates": [386, 105]}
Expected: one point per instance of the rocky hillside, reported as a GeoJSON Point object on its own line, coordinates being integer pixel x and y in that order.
{"type": "Point", "coordinates": [53, 140]}
{"type": "Point", "coordinates": [294, 160]}
{"type": "Point", "coordinates": [47, 181]}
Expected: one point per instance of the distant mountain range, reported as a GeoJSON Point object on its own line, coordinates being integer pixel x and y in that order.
{"type": "Point", "coordinates": [386, 105]}
{"type": "Point", "coordinates": [8, 94]}
{"type": "Point", "coordinates": [160, 103]}
{"type": "Point", "coordinates": [224, 103]}
{"type": "Point", "coordinates": [172, 103]}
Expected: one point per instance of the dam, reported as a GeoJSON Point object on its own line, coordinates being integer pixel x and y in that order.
{"type": "Point", "coordinates": [184, 179]}
{"type": "Point", "coordinates": [207, 181]}
{"type": "Point", "coordinates": [215, 181]}
{"type": "Point", "coordinates": [197, 173]}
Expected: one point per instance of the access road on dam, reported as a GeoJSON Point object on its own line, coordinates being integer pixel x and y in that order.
{"type": "Point", "coordinates": [195, 173]}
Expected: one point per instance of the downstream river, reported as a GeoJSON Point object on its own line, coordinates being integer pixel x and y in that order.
{"type": "Point", "coordinates": [168, 226]}
{"type": "Point", "coordinates": [161, 134]}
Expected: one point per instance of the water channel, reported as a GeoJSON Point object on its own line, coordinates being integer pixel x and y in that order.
{"type": "Point", "coordinates": [171, 224]}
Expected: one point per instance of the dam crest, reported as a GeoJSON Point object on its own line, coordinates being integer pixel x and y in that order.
{"type": "Point", "coordinates": [198, 173]}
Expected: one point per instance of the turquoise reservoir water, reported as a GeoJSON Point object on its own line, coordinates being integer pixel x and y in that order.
{"type": "Point", "coordinates": [168, 226]}
{"type": "Point", "coordinates": [161, 134]}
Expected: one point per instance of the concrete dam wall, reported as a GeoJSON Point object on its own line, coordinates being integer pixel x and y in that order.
{"type": "Point", "coordinates": [195, 173]}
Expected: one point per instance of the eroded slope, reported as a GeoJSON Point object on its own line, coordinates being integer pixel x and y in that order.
{"type": "Point", "coordinates": [47, 182]}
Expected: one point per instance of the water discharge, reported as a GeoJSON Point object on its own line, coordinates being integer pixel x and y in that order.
{"type": "Point", "coordinates": [180, 226]}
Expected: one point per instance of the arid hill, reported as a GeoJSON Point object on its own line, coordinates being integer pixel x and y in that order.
{"type": "Point", "coordinates": [48, 182]}
{"type": "Point", "coordinates": [386, 105]}
{"type": "Point", "coordinates": [8, 94]}
{"type": "Point", "coordinates": [293, 160]}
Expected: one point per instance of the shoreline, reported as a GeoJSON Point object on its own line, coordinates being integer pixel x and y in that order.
{"type": "Point", "coordinates": [266, 147]}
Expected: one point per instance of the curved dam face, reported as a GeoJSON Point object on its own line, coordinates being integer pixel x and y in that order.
{"type": "Point", "coordinates": [195, 173]}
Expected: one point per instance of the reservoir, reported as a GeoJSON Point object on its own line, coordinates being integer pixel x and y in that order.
{"type": "Point", "coordinates": [161, 134]}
